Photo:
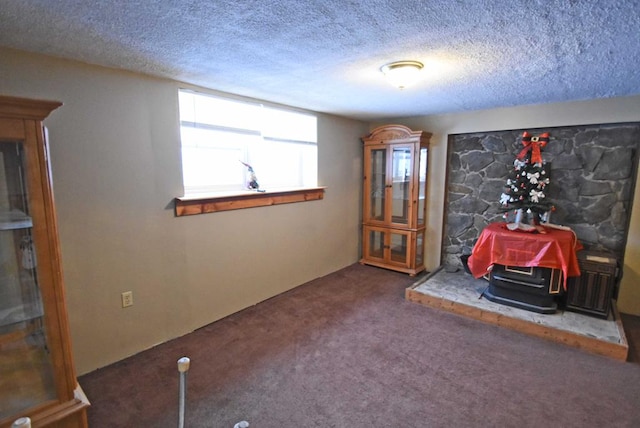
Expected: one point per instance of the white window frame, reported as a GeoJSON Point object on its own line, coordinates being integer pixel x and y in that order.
{"type": "Point", "coordinates": [251, 124]}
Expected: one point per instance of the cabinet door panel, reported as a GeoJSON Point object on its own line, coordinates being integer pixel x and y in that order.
{"type": "Point", "coordinates": [401, 170]}
{"type": "Point", "coordinates": [376, 244]}
{"type": "Point", "coordinates": [422, 186]}
{"type": "Point", "coordinates": [399, 248]}
{"type": "Point", "coordinates": [419, 248]}
{"type": "Point", "coordinates": [26, 371]}
{"type": "Point", "coordinates": [377, 184]}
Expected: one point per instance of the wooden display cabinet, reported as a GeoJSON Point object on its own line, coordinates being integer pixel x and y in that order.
{"type": "Point", "coordinates": [395, 198]}
{"type": "Point", "coordinates": [37, 375]}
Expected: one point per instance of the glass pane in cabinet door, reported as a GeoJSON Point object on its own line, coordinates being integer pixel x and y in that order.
{"type": "Point", "coordinates": [422, 186]}
{"type": "Point", "coordinates": [376, 244]}
{"type": "Point", "coordinates": [420, 249]}
{"type": "Point", "coordinates": [401, 158]}
{"type": "Point", "coordinates": [26, 377]}
{"type": "Point", "coordinates": [378, 181]}
{"type": "Point", "coordinates": [399, 248]}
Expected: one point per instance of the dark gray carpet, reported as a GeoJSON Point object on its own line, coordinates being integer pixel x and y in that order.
{"type": "Point", "coordinates": [347, 350]}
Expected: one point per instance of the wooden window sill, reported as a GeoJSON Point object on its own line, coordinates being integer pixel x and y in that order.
{"type": "Point", "coordinates": [202, 204]}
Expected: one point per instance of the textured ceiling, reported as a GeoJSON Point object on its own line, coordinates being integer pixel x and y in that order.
{"type": "Point", "coordinates": [325, 55]}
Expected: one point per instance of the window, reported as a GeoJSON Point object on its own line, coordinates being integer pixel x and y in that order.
{"type": "Point", "coordinates": [219, 134]}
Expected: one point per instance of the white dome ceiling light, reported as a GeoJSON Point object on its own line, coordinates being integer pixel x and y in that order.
{"type": "Point", "coordinates": [402, 74]}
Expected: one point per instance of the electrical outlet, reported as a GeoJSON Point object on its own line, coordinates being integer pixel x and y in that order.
{"type": "Point", "coordinates": [127, 299]}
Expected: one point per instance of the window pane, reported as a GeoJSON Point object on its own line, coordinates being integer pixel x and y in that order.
{"type": "Point", "coordinates": [202, 167]}
{"type": "Point", "coordinates": [203, 137]}
{"type": "Point", "coordinates": [218, 134]}
{"type": "Point", "coordinates": [211, 110]}
{"type": "Point", "coordinates": [309, 159]}
{"type": "Point", "coordinates": [283, 164]}
{"type": "Point", "coordinates": [288, 125]}
{"type": "Point", "coordinates": [211, 159]}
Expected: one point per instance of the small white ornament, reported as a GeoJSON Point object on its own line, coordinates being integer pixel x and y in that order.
{"type": "Point", "coordinates": [533, 178]}
{"type": "Point", "coordinates": [536, 195]}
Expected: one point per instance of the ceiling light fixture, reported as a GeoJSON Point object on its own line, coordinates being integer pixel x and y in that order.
{"type": "Point", "coordinates": [402, 73]}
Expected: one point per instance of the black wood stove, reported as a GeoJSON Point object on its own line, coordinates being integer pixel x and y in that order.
{"type": "Point", "coordinates": [531, 288]}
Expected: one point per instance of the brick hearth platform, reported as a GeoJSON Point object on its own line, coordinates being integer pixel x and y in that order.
{"type": "Point", "coordinates": [460, 293]}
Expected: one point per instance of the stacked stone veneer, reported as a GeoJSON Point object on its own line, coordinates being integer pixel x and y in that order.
{"type": "Point", "coordinates": [592, 173]}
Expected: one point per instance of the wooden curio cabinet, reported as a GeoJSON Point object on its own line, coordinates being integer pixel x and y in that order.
{"type": "Point", "coordinates": [37, 376]}
{"type": "Point", "coordinates": [395, 198]}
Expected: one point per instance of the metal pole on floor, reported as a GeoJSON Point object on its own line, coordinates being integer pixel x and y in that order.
{"type": "Point", "coordinates": [183, 368]}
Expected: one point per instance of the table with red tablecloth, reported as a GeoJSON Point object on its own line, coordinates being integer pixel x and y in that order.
{"type": "Point", "coordinates": [546, 247]}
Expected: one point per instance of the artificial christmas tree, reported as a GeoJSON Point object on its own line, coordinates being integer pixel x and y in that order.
{"type": "Point", "coordinates": [526, 184]}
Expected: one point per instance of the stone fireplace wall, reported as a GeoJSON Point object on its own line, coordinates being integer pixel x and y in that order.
{"type": "Point", "coordinates": [592, 173]}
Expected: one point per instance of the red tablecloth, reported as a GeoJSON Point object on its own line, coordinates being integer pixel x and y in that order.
{"type": "Point", "coordinates": [555, 249]}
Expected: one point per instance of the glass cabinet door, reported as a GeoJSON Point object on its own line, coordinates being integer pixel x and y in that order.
{"type": "Point", "coordinates": [26, 370]}
{"type": "Point", "coordinates": [419, 249]}
{"type": "Point", "coordinates": [401, 166]}
{"type": "Point", "coordinates": [399, 247]}
{"type": "Point", "coordinates": [422, 186]}
{"type": "Point", "coordinates": [376, 244]}
{"type": "Point", "coordinates": [377, 184]}
{"type": "Point", "coordinates": [389, 246]}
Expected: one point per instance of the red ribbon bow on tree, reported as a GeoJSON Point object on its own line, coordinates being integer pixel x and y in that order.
{"type": "Point", "coordinates": [534, 144]}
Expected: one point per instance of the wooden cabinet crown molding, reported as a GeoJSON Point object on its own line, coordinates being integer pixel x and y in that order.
{"type": "Point", "coordinates": [22, 108]}
{"type": "Point", "coordinates": [395, 134]}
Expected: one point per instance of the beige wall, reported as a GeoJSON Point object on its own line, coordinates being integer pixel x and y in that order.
{"type": "Point", "coordinates": [115, 154]}
{"type": "Point", "coordinates": [613, 110]}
